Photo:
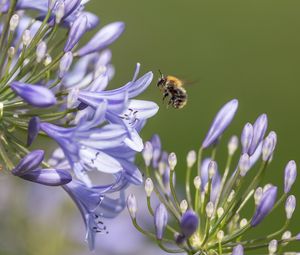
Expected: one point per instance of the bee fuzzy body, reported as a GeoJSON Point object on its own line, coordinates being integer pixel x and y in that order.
{"type": "Point", "coordinates": [172, 88]}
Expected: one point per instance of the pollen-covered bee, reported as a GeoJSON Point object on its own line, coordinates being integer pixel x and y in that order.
{"type": "Point", "coordinates": [172, 87]}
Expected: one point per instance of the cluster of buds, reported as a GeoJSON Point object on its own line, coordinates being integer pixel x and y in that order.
{"type": "Point", "coordinates": [210, 219]}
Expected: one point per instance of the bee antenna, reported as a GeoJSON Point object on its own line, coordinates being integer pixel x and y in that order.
{"type": "Point", "coordinates": [161, 74]}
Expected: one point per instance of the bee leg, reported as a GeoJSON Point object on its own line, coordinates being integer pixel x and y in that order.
{"type": "Point", "coordinates": [165, 95]}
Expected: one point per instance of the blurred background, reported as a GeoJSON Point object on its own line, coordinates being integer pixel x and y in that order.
{"type": "Point", "coordinates": [247, 50]}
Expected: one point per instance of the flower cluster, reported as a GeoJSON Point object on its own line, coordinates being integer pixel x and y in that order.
{"type": "Point", "coordinates": [211, 218]}
{"type": "Point", "coordinates": [51, 87]}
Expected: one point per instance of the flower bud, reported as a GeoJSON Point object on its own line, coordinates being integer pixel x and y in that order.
{"type": "Point", "coordinates": [189, 223]}
{"type": "Point", "coordinates": [191, 159]}
{"type": "Point", "coordinates": [258, 195]}
{"type": "Point", "coordinates": [243, 223]}
{"type": "Point", "coordinates": [265, 206]}
{"type": "Point", "coordinates": [11, 52]}
{"type": "Point", "coordinates": [132, 206]}
{"type": "Point", "coordinates": [220, 212]}
{"type": "Point", "coordinates": [246, 137]}
{"type": "Point", "coordinates": [290, 206]}
{"type": "Point", "coordinates": [48, 60]}
{"type": "Point", "coordinates": [209, 209]}
{"type": "Point", "coordinates": [147, 153]}
{"type": "Point", "coordinates": [13, 23]}
{"type": "Point", "coordinates": [65, 64]}
{"type": "Point", "coordinates": [238, 250]}
{"type": "Point", "coordinates": [220, 122]}
{"type": "Point", "coordinates": [269, 146]}
{"type": "Point", "coordinates": [183, 206]}
{"type": "Point", "coordinates": [156, 145]}
{"type": "Point", "coordinates": [197, 182]}
{"type": "Point", "coordinates": [244, 164]}
{"type": "Point", "coordinates": [212, 169]}
{"type": "Point", "coordinates": [290, 175]}
{"type": "Point", "coordinates": [59, 12]}
{"type": "Point", "coordinates": [233, 145]}
{"type": "Point", "coordinates": [231, 196]}
{"type": "Point", "coordinates": [273, 246]}
{"type": "Point", "coordinates": [259, 130]}
{"type": "Point", "coordinates": [172, 159]}
{"type": "Point", "coordinates": [149, 187]}
{"type": "Point", "coordinates": [26, 37]}
{"type": "Point", "coordinates": [220, 235]}
{"type": "Point", "coordinates": [33, 129]}
{"type": "Point", "coordinates": [160, 220]}
{"type": "Point", "coordinates": [41, 51]}
{"type": "Point", "coordinates": [286, 235]}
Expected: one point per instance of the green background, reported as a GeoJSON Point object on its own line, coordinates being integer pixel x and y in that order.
{"type": "Point", "coordinates": [227, 49]}
{"type": "Point", "coordinates": [247, 50]}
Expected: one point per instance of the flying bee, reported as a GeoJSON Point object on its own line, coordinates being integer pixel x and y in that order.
{"type": "Point", "coordinates": [172, 87]}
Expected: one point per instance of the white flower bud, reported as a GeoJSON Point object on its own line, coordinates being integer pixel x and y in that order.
{"type": "Point", "coordinates": [197, 182]}
{"type": "Point", "coordinates": [14, 21]}
{"type": "Point", "coordinates": [183, 206]}
{"type": "Point", "coordinates": [191, 159]}
{"type": "Point", "coordinates": [161, 167]}
{"type": "Point", "coordinates": [11, 52]}
{"type": "Point", "coordinates": [233, 145]}
{"type": "Point", "coordinates": [149, 187]}
{"type": "Point", "coordinates": [172, 159]}
{"type": "Point", "coordinates": [147, 153]}
{"type": "Point", "coordinates": [48, 60]}
{"type": "Point", "coordinates": [220, 235]}
{"type": "Point", "coordinates": [220, 212]}
{"type": "Point", "coordinates": [209, 209]}
{"type": "Point", "coordinates": [258, 195]}
{"type": "Point", "coordinates": [286, 235]}
{"type": "Point", "coordinates": [26, 37]}
{"type": "Point", "coordinates": [212, 169]}
{"type": "Point", "coordinates": [290, 206]}
{"type": "Point", "coordinates": [244, 164]}
{"type": "Point", "coordinates": [41, 51]}
{"type": "Point", "coordinates": [231, 196]}
{"type": "Point", "coordinates": [243, 223]}
{"type": "Point", "coordinates": [132, 206]}
{"type": "Point", "coordinates": [273, 246]}
{"type": "Point", "coordinates": [60, 12]}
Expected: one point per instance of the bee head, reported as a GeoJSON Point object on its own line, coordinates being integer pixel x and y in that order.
{"type": "Point", "coordinates": [162, 80]}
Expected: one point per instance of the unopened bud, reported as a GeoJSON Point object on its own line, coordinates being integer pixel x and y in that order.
{"type": "Point", "coordinates": [244, 164]}
{"type": "Point", "coordinates": [147, 153]}
{"type": "Point", "coordinates": [258, 195]}
{"type": "Point", "coordinates": [231, 196]}
{"type": "Point", "coordinates": [172, 159]}
{"type": "Point", "coordinates": [132, 206]}
{"type": "Point", "coordinates": [191, 159]}
{"type": "Point", "coordinates": [220, 235]}
{"type": "Point", "coordinates": [41, 51]}
{"type": "Point", "coordinates": [243, 223]}
{"type": "Point", "coordinates": [65, 64]}
{"type": "Point", "coordinates": [220, 212]}
{"type": "Point", "coordinates": [197, 182]}
{"type": "Point", "coordinates": [60, 12]}
{"type": "Point", "coordinates": [290, 206]}
{"type": "Point", "coordinates": [286, 235]}
{"type": "Point", "coordinates": [48, 60]}
{"type": "Point", "coordinates": [233, 145]}
{"type": "Point", "coordinates": [209, 209]}
{"type": "Point", "coordinates": [273, 246]}
{"type": "Point", "coordinates": [11, 52]}
{"type": "Point", "coordinates": [183, 206]}
{"type": "Point", "coordinates": [148, 187]}
{"type": "Point", "coordinates": [212, 169]}
{"type": "Point", "coordinates": [14, 21]}
{"type": "Point", "coordinates": [26, 37]}
{"type": "Point", "coordinates": [269, 145]}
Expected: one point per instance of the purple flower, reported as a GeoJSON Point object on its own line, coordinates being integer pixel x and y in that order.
{"type": "Point", "coordinates": [92, 206]}
{"type": "Point", "coordinates": [78, 28]}
{"type": "Point", "coordinates": [35, 95]}
{"type": "Point", "coordinates": [65, 64]}
{"type": "Point", "coordinates": [28, 169]}
{"type": "Point", "coordinates": [216, 179]}
{"type": "Point", "coordinates": [106, 35]}
{"type": "Point", "coordinates": [189, 223]}
{"type": "Point", "coordinates": [246, 137]}
{"type": "Point", "coordinates": [259, 130]}
{"type": "Point", "coordinates": [33, 129]}
{"type": "Point", "coordinates": [290, 174]}
{"type": "Point", "coordinates": [156, 144]}
{"type": "Point", "coordinates": [238, 250]}
{"type": "Point", "coordinates": [220, 122]}
{"type": "Point", "coordinates": [88, 147]}
{"type": "Point", "coordinates": [265, 206]}
{"type": "Point", "coordinates": [160, 220]}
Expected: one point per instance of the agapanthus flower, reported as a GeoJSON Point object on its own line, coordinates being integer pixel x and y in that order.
{"type": "Point", "coordinates": [51, 87]}
{"type": "Point", "coordinates": [211, 219]}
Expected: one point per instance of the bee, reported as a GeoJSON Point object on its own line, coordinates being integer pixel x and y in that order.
{"type": "Point", "coordinates": [172, 87]}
